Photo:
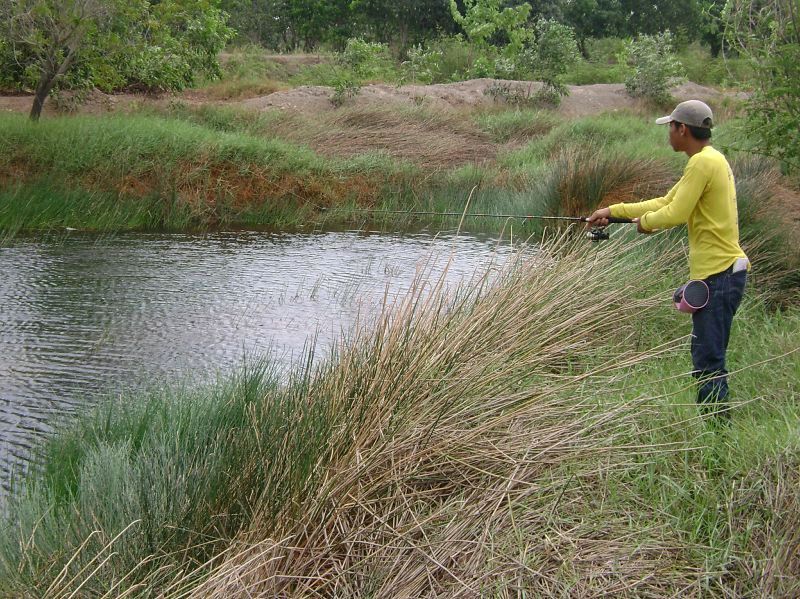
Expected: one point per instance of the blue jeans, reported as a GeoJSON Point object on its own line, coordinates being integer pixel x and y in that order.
{"type": "Point", "coordinates": [711, 329]}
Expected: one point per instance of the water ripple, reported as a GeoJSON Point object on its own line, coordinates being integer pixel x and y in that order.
{"type": "Point", "coordinates": [89, 316]}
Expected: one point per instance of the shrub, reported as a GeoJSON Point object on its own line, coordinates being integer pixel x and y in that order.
{"type": "Point", "coordinates": [344, 87]}
{"type": "Point", "coordinates": [655, 67]}
{"type": "Point", "coordinates": [365, 59]}
{"type": "Point", "coordinates": [423, 65]}
{"type": "Point", "coordinates": [549, 57]}
{"type": "Point", "coordinates": [770, 39]}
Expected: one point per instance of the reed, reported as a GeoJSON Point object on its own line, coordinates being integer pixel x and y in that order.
{"type": "Point", "coordinates": [531, 431]}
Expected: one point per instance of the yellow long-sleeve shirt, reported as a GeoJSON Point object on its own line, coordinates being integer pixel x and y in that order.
{"type": "Point", "coordinates": [704, 199]}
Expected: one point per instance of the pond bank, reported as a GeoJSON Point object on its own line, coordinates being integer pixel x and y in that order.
{"type": "Point", "coordinates": [520, 432]}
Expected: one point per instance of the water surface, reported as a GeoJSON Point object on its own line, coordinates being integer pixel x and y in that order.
{"type": "Point", "coordinates": [85, 316]}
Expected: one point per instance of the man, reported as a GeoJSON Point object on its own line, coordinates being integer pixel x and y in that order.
{"type": "Point", "coordinates": [704, 199]}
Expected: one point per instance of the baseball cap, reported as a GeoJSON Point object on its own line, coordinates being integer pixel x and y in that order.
{"type": "Point", "coordinates": [691, 112]}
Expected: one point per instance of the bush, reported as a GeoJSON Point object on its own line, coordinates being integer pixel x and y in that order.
{"type": "Point", "coordinates": [548, 58]}
{"type": "Point", "coordinates": [770, 40]}
{"type": "Point", "coordinates": [454, 59]}
{"type": "Point", "coordinates": [344, 87]}
{"type": "Point", "coordinates": [655, 67]}
{"type": "Point", "coordinates": [423, 65]}
{"type": "Point", "coordinates": [365, 59]}
{"type": "Point", "coordinates": [358, 61]}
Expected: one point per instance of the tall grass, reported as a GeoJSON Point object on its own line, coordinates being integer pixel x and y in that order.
{"type": "Point", "coordinates": [528, 431]}
{"type": "Point", "coordinates": [210, 176]}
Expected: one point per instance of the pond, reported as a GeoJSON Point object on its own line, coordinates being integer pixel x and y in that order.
{"type": "Point", "coordinates": [84, 316]}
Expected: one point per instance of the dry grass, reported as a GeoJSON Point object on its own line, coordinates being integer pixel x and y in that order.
{"type": "Point", "coordinates": [773, 560]}
{"type": "Point", "coordinates": [466, 443]}
{"type": "Point", "coordinates": [577, 181]}
{"type": "Point", "coordinates": [237, 89]}
{"type": "Point", "coordinates": [421, 136]}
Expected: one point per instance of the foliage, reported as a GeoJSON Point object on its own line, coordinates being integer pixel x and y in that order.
{"type": "Point", "coordinates": [344, 88]}
{"type": "Point", "coordinates": [365, 59]}
{"type": "Point", "coordinates": [655, 67]}
{"type": "Point", "coordinates": [648, 17]}
{"type": "Point", "coordinates": [484, 21]}
{"type": "Point", "coordinates": [109, 44]}
{"type": "Point", "coordinates": [551, 55]}
{"type": "Point", "coordinates": [405, 23]}
{"type": "Point", "coordinates": [444, 59]}
{"type": "Point", "coordinates": [593, 19]}
{"type": "Point", "coordinates": [290, 25]}
{"type": "Point", "coordinates": [177, 40]}
{"type": "Point", "coordinates": [768, 34]}
{"type": "Point", "coordinates": [423, 65]}
{"type": "Point", "coordinates": [359, 61]}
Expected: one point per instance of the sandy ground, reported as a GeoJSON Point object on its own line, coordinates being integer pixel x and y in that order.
{"type": "Point", "coordinates": [582, 101]}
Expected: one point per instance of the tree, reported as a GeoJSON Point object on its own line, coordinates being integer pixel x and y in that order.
{"type": "Point", "coordinates": [108, 43]}
{"type": "Point", "coordinates": [592, 18]}
{"type": "Point", "coordinates": [549, 57]}
{"type": "Point", "coordinates": [654, 16]}
{"type": "Point", "coordinates": [484, 19]}
{"type": "Point", "coordinates": [47, 36]}
{"type": "Point", "coordinates": [711, 25]}
{"type": "Point", "coordinates": [406, 23]}
{"type": "Point", "coordinates": [768, 33]}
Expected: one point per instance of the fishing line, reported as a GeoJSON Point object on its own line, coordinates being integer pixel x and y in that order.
{"type": "Point", "coordinates": [595, 234]}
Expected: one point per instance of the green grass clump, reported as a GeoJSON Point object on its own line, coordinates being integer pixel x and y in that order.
{"type": "Point", "coordinates": [146, 171]}
{"type": "Point", "coordinates": [625, 134]}
{"type": "Point", "coordinates": [44, 206]}
{"type": "Point", "coordinates": [517, 124]}
{"type": "Point", "coordinates": [586, 72]}
{"type": "Point", "coordinates": [116, 146]}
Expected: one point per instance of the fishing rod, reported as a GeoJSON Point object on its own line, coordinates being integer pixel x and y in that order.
{"type": "Point", "coordinates": [595, 233]}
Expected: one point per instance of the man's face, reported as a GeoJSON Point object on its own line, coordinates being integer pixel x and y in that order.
{"type": "Point", "coordinates": [676, 136]}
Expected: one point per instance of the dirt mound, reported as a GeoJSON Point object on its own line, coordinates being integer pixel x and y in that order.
{"type": "Point", "coordinates": [583, 100]}
{"type": "Point", "coordinates": [432, 139]}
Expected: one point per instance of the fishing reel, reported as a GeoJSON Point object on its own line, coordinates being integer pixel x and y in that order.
{"type": "Point", "coordinates": [597, 234]}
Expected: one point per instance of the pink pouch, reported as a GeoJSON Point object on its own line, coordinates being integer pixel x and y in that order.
{"type": "Point", "coordinates": [691, 297]}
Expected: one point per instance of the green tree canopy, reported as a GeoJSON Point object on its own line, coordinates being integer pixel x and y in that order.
{"type": "Point", "coordinates": [108, 44]}
{"type": "Point", "coordinates": [768, 33]}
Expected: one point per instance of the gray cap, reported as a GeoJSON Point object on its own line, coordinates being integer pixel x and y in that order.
{"type": "Point", "coordinates": [691, 112]}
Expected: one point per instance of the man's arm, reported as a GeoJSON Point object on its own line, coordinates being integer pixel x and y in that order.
{"type": "Point", "coordinates": [632, 210]}
{"type": "Point", "coordinates": [637, 209]}
{"type": "Point", "coordinates": [685, 196]}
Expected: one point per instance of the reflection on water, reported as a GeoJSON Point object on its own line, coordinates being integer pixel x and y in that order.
{"type": "Point", "coordinates": [87, 315]}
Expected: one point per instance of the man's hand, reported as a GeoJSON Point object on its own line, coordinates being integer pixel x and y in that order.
{"type": "Point", "coordinates": [639, 228]}
{"type": "Point", "coordinates": [599, 218]}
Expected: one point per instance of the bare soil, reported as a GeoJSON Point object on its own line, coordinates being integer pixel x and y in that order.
{"type": "Point", "coordinates": [583, 100]}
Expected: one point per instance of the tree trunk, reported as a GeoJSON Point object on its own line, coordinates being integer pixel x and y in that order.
{"type": "Point", "coordinates": [48, 79]}
{"type": "Point", "coordinates": [582, 48]}
{"type": "Point", "coordinates": [42, 91]}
